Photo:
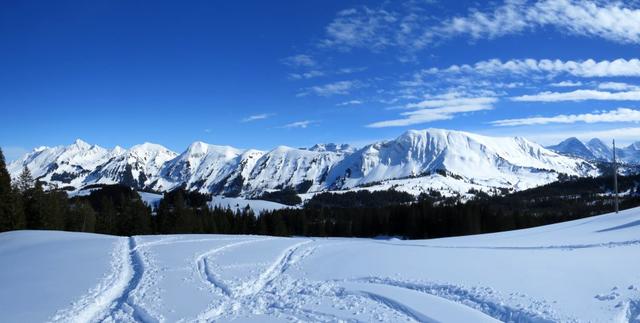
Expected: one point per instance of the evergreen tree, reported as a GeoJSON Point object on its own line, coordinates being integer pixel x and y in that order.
{"type": "Point", "coordinates": [11, 212]}
{"type": "Point", "coordinates": [25, 180]}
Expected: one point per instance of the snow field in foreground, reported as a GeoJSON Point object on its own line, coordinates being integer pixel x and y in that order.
{"type": "Point", "coordinates": [584, 270]}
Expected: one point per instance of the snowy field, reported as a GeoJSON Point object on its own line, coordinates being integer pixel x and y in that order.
{"type": "Point", "coordinates": [580, 271]}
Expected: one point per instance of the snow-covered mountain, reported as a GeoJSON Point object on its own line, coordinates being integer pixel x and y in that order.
{"type": "Point", "coordinates": [495, 162]}
{"type": "Point", "coordinates": [596, 150]}
{"type": "Point", "coordinates": [63, 165]}
{"type": "Point", "coordinates": [415, 162]}
{"type": "Point", "coordinates": [137, 167]}
{"type": "Point", "coordinates": [305, 170]}
{"type": "Point", "coordinates": [576, 148]}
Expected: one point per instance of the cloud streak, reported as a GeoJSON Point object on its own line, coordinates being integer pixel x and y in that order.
{"type": "Point", "coordinates": [618, 115]}
{"type": "Point", "coordinates": [300, 60]}
{"type": "Point", "coordinates": [437, 110]}
{"type": "Point", "coordinates": [588, 68]}
{"type": "Point", "coordinates": [299, 124]}
{"type": "Point", "coordinates": [256, 117]}
{"type": "Point", "coordinates": [410, 28]}
{"type": "Point", "coordinates": [611, 21]}
{"type": "Point", "coordinates": [579, 95]}
{"type": "Point", "coordinates": [331, 89]}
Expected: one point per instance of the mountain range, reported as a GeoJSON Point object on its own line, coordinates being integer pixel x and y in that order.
{"type": "Point", "coordinates": [449, 161]}
{"type": "Point", "coordinates": [596, 150]}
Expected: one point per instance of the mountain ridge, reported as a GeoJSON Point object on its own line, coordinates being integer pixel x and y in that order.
{"type": "Point", "coordinates": [416, 161]}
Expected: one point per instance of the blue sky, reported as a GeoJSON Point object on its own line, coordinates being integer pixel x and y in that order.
{"type": "Point", "coordinates": [256, 74]}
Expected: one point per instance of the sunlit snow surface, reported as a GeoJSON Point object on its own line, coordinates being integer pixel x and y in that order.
{"type": "Point", "coordinates": [585, 270]}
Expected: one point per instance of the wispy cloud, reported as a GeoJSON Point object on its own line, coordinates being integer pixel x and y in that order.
{"type": "Point", "coordinates": [617, 86]}
{"type": "Point", "coordinates": [306, 75]}
{"type": "Point", "coordinates": [587, 68]}
{"type": "Point", "coordinates": [566, 84]}
{"type": "Point", "coordinates": [618, 115]}
{"type": "Point", "coordinates": [330, 89]}
{"type": "Point", "coordinates": [300, 124]}
{"type": "Point", "coordinates": [580, 95]}
{"type": "Point", "coordinates": [444, 108]}
{"type": "Point", "coordinates": [256, 117]}
{"type": "Point", "coordinates": [350, 102]}
{"type": "Point", "coordinates": [612, 21]}
{"type": "Point", "coordinates": [300, 60]}
{"type": "Point", "coordinates": [410, 28]}
{"type": "Point", "coordinates": [360, 27]}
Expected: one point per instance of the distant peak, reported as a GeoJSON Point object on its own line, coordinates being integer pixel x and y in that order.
{"type": "Point", "coordinates": [118, 150]}
{"type": "Point", "coordinates": [331, 147]}
{"type": "Point", "coordinates": [634, 146]}
{"type": "Point", "coordinates": [198, 147]}
{"type": "Point", "coordinates": [148, 146]}
{"type": "Point", "coordinates": [81, 144]}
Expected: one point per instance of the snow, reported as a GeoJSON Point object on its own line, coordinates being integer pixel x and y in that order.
{"type": "Point", "coordinates": [237, 203]}
{"type": "Point", "coordinates": [44, 272]}
{"type": "Point", "coordinates": [150, 199]}
{"type": "Point", "coordinates": [578, 271]}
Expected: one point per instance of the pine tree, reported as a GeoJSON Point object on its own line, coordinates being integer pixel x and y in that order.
{"type": "Point", "coordinates": [25, 180]}
{"type": "Point", "coordinates": [11, 211]}
{"type": "Point", "coordinates": [5, 179]}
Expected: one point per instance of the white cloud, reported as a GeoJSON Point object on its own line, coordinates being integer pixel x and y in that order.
{"type": "Point", "coordinates": [436, 110]}
{"type": "Point", "coordinates": [566, 84]}
{"type": "Point", "coordinates": [299, 124]}
{"type": "Point", "coordinates": [587, 68]}
{"type": "Point", "coordinates": [412, 27]}
{"type": "Point", "coordinates": [617, 86]}
{"type": "Point", "coordinates": [455, 101]}
{"type": "Point", "coordinates": [612, 21]}
{"type": "Point", "coordinates": [306, 75]}
{"type": "Point", "coordinates": [618, 115]}
{"type": "Point", "coordinates": [335, 88]}
{"type": "Point", "coordinates": [580, 95]}
{"type": "Point", "coordinates": [256, 117]}
{"type": "Point", "coordinates": [360, 27]}
{"type": "Point", "coordinates": [299, 61]}
{"type": "Point", "coordinates": [350, 102]}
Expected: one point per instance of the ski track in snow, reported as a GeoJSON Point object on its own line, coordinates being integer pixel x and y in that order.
{"type": "Point", "coordinates": [397, 306]}
{"type": "Point", "coordinates": [113, 300]}
{"type": "Point", "coordinates": [98, 300]}
{"type": "Point", "coordinates": [474, 298]}
{"type": "Point", "coordinates": [125, 307]}
{"type": "Point", "coordinates": [633, 311]}
{"type": "Point", "coordinates": [247, 292]}
{"type": "Point", "coordinates": [274, 292]}
{"type": "Point", "coordinates": [209, 277]}
{"type": "Point", "coordinates": [561, 247]}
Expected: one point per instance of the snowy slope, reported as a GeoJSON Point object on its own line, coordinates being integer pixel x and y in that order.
{"type": "Point", "coordinates": [137, 167]}
{"type": "Point", "coordinates": [504, 162]}
{"type": "Point", "coordinates": [574, 147]}
{"type": "Point", "coordinates": [285, 166]}
{"type": "Point", "coordinates": [201, 166]}
{"type": "Point", "coordinates": [62, 165]}
{"type": "Point", "coordinates": [238, 204]}
{"type": "Point", "coordinates": [57, 275]}
{"type": "Point", "coordinates": [578, 271]}
{"type": "Point", "coordinates": [471, 160]}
